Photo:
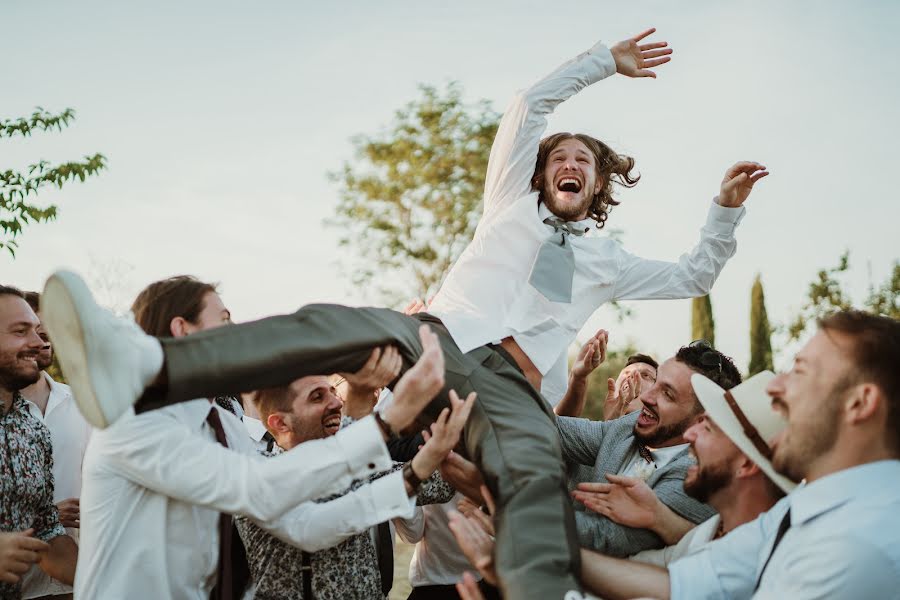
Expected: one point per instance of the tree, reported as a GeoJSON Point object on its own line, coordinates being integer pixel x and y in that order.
{"type": "Point", "coordinates": [703, 327]}
{"type": "Point", "coordinates": [760, 331]}
{"type": "Point", "coordinates": [411, 199]}
{"type": "Point", "coordinates": [826, 295]}
{"type": "Point", "coordinates": [17, 189]}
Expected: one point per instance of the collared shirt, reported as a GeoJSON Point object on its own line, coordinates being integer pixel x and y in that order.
{"type": "Point", "coordinates": [26, 479]}
{"type": "Point", "coordinates": [844, 542]}
{"type": "Point", "coordinates": [486, 296]}
{"type": "Point", "coordinates": [69, 435]}
{"type": "Point", "coordinates": [638, 467]}
{"type": "Point", "coordinates": [343, 554]}
{"type": "Point", "coordinates": [256, 430]}
{"type": "Point", "coordinates": [155, 483]}
{"type": "Point", "coordinates": [438, 559]}
{"type": "Point", "coordinates": [691, 542]}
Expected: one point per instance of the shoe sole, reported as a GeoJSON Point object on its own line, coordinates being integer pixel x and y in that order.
{"type": "Point", "coordinates": [63, 293]}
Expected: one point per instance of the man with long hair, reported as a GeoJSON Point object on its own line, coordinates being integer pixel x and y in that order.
{"type": "Point", "coordinates": [505, 316]}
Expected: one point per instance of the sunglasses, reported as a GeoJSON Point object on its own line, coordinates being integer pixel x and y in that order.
{"type": "Point", "coordinates": [711, 357]}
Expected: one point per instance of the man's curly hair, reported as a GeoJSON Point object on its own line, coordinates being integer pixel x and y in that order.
{"type": "Point", "coordinates": [611, 168]}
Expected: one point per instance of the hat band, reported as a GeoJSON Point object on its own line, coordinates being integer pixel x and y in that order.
{"type": "Point", "coordinates": [749, 430]}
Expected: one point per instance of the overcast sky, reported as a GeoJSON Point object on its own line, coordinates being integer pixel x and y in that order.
{"type": "Point", "coordinates": [221, 119]}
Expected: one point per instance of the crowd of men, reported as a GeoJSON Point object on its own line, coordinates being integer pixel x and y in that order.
{"type": "Point", "coordinates": [194, 458]}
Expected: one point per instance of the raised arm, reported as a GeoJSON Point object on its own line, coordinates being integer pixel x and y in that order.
{"type": "Point", "coordinates": [514, 153]}
{"type": "Point", "coordinates": [695, 272]}
{"type": "Point", "coordinates": [591, 356]}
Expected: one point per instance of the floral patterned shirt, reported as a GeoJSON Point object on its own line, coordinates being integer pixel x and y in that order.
{"type": "Point", "coordinates": [26, 479]}
{"type": "Point", "coordinates": [348, 570]}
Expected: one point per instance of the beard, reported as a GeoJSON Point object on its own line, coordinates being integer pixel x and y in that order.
{"type": "Point", "coordinates": [44, 359]}
{"type": "Point", "coordinates": [13, 376]}
{"type": "Point", "coordinates": [708, 481]}
{"type": "Point", "coordinates": [804, 443]}
{"type": "Point", "coordinates": [664, 433]}
{"type": "Point", "coordinates": [566, 212]}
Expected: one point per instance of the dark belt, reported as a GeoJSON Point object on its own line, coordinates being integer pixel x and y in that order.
{"type": "Point", "coordinates": [306, 570]}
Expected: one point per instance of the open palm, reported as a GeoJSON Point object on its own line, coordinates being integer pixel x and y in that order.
{"type": "Point", "coordinates": [635, 60]}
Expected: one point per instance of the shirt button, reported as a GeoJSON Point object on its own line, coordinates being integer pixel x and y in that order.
{"type": "Point", "coordinates": [371, 465]}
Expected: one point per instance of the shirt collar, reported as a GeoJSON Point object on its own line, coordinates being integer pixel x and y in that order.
{"type": "Point", "coordinates": [811, 500]}
{"type": "Point", "coordinates": [586, 224]}
{"type": "Point", "coordinates": [194, 412]}
{"type": "Point", "coordinates": [255, 428]}
{"type": "Point", "coordinates": [58, 393]}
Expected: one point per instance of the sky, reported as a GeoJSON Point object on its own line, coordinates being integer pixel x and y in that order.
{"type": "Point", "coordinates": [222, 119]}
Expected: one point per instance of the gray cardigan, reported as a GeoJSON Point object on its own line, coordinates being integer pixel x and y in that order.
{"type": "Point", "coordinates": [606, 446]}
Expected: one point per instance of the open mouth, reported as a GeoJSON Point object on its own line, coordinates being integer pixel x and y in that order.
{"type": "Point", "coordinates": [332, 423]}
{"type": "Point", "coordinates": [569, 184]}
{"type": "Point", "coordinates": [647, 417]}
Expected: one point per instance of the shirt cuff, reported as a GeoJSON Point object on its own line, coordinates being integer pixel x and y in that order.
{"type": "Point", "coordinates": [604, 60]}
{"type": "Point", "coordinates": [363, 448]}
{"type": "Point", "coordinates": [389, 498]}
{"type": "Point", "coordinates": [722, 219]}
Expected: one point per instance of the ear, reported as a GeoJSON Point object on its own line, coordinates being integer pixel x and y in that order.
{"type": "Point", "coordinates": [276, 424]}
{"type": "Point", "coordinates": [863, 402]}
{"type": "Point", "coordinates": [746, 468]}
{"type": "Point", "coordinates": [178, 327]}
{"type": "Point", "coordinates": [599, 185]}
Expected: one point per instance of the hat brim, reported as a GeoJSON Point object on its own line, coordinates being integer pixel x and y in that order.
{"type": "Point", "coordinates": [712, 398]}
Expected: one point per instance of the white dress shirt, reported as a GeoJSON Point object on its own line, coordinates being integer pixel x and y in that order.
{"type": "Point", "coordinates": [691, 542]}
{"type": "Point", "coordinates": [154, 485]}
{"type": "Point", "coordinates": [844, 542]}
{"type": "Point", "coordinates": [640, 468]}
{"type": "Point", "coordinates": [256, 430]}
{"type": "Point", "coordinates": [438, 559]}
{"type": "Point", "coordinates": [486, 296]}
{"type": "Point", "coordinates": [69, 434]}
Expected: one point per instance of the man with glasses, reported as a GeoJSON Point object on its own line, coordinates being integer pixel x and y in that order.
{"type": "Point", "coordinates": [648, 444]}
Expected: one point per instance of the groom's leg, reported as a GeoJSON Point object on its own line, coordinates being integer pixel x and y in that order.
{"type": "Point", "coordinates": [512, 436]}
{"type": "Point", "coordinates": [317, 339]}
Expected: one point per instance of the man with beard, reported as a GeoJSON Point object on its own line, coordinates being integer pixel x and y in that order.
{"type": "Point", "coordinates": [835, 536]}
{"type": "Point", "coordinates": [51, 402]}
{"type": "Point", "coordinates": [334, 559]}
{"type": "Point", "coordinates": [506, 315]}
{"type": "Point", "coordinates": [731, 474]}
{"type": "Point", "coordinates": [648, 445]}
{"type": "Point", "coordinates": [26, 460]}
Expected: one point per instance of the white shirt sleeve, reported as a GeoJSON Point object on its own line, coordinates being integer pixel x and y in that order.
{"type": "Point", "coordinates": [514, 153]}
{"type": "Point", "coordinates": [411, 530]}
{"type": "Point", "coordinates": [694, 273]}
{"type": "Point", "coordinates": [157, 451]}
{"type": "Point", "coordinates": [314, 526]}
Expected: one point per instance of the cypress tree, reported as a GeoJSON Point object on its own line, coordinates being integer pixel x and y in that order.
{"type": "Point", "coordinates": [702, 325]}
{"type": "Point", "coordinates": [760, 331]}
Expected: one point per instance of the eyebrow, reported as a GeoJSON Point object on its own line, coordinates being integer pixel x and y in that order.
{"type": "Point", "coordinates": [21, 323]}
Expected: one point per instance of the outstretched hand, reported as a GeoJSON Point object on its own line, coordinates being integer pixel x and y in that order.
{"type": "Point", "coordinates": [591, 355]}
{"type": "Point", "coordinates": [628, 501]}
{"type": "Point", "coordinates": [738, 183]}
{"type": "Point", "coordinates": [636, 60]}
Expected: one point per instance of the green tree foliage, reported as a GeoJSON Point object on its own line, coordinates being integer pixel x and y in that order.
{"type": "Point", "coordinates": [17, 189]}
{"type": "Point", "coordinates": [702, 325]}
{"type": "Point", "coordinates": [826, 295]}
{"type": "Point", "coordinates": [760, 331]}
{"type": "Point", "coordinates": [411, 198]}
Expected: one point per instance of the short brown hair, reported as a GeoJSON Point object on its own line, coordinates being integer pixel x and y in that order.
{"type": "Point", "coordinates": [875, 356]}
{"type": "Point", "coordinates": [272, 400]}
{"type": "Point", "coordinates": [34, 301]}
{"type": "Point", "coordinates": [161, 301]}
{"type": "Point", "coordinates": [641, 358]}
{"type": "Point", "coordinates": [611, 168]}
{"type": "Point", "coordinates": [8, 290]}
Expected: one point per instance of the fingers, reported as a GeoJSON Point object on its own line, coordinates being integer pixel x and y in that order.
{"type": "Point", "coordinates": [610, 388]}
{"type": "Point", "coordinates": [467, 588]}
{"type": "Point", "coordinates": [756, 177]}
{"type": "Point", "coordinates": [644, 34]}
{"type": "Point", "coordinates": [622, 480]}
{"type": "Point", "coordinates": [655, 62]}
{"type": "Point", "coordinates": [648, 54]}
{"type": "Point", "coordinates": [489, 500]}
{"type": "Point", "coordinates": [595, 487]}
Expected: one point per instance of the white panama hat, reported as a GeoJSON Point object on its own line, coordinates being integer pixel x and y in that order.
{"type": "Point", "coordinates": [745, 415]}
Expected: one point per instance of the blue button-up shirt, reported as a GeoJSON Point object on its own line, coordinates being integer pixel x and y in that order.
{"type": "Point", "coordinates": [844, 542]}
